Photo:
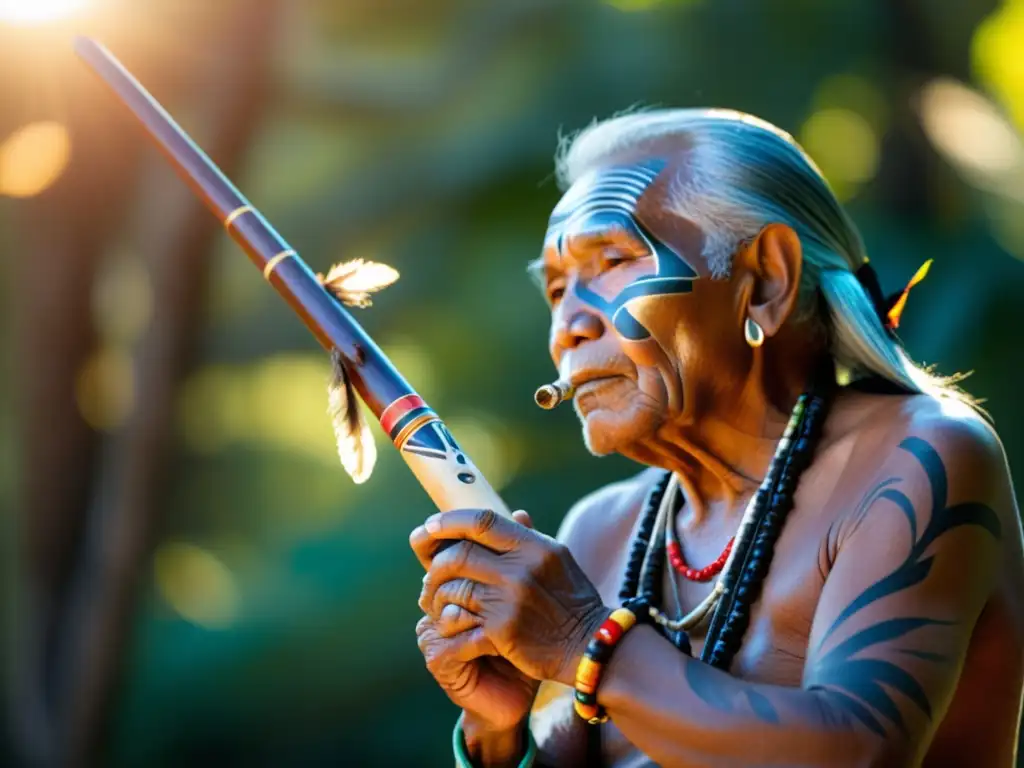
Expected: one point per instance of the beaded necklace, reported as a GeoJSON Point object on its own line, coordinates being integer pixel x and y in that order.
{"type": "Point", "coordinates": [750, 553]}
{"type": "Point", "coordinates": [675, 557]}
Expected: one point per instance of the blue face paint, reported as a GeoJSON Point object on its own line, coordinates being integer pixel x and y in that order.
{"type": "Point", "coordinates": [607, 201]}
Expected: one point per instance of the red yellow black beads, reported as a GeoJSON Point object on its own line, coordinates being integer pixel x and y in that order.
{"type": "Point", "coordinates": [596, 655]}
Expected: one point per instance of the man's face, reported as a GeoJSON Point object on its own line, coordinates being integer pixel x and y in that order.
{"type": "Point", "coordinates": [632, 305]}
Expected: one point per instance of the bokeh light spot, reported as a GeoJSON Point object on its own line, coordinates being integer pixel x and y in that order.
{"type": "Point", "coordinates": [27, 12]}
{"type": "Point", "coordinates": [997, 59]}
{"type": "Point", "coordinates": [968, 129]}
{"type": "Point", "coordinates": [279, 403]}
{"type": "Point", "coordinates": [196, 584]}
{"type": "Point", "coordinates": [845, 147]}
{"type": "Point", "coordinates": [105, 388]}
{"type": "Point", "coordinates": [414, 363]}
{"type": "Point", "coordinates": [212, 408]}
{"type": "Point", "coordinates": [122, 300]}
{"type": "Point", "coordinates": [33, 158]}
{"type": "Point", "coordinates": [644, 5]}
{"type": "Point", "coordinates": [855, 93]}
{"type": "Point", "coordinates": [288, 405]}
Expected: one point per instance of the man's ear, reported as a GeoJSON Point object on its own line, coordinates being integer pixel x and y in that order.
{"type": "Point", "coordinates": [775, 261]}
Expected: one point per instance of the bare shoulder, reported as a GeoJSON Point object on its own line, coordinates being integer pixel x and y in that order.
{"type": "Point", "coordinates": [599, 522]}
{"type": "Point", "coordinates": [959, 438]}
{"type": "Point", "coordinates": [954, 427]}
{"type": "Point", "coordinates": [941, 451]}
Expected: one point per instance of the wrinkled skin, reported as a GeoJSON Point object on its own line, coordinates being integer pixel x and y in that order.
{"type": "Point", "coordinates": [451, 632]}
{"type": "Point", "coordinates": [895, 585]}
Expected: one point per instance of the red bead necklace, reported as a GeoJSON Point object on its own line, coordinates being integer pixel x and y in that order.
{"type": "Point", "coordinates": [675, 556]}
{"type": "Point", "coordinates": [675, 552]}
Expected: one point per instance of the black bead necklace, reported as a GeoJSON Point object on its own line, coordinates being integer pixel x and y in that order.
{"type": "Point", "coordinates": [743, 586]}
{"type": "Point", "coordinates": [741, 580]}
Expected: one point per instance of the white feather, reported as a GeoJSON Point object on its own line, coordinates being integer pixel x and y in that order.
{"type": "Point", "coordinates": [356, 449]}
{"type": "Point", "coordinates": [353, 281]}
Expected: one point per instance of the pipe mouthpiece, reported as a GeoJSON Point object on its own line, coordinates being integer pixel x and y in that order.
{"type": "Point", "coordinates": [551, 395]}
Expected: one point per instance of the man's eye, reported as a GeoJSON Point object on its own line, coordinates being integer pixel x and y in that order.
{"type": "Point", "coordinates": [612, 258]}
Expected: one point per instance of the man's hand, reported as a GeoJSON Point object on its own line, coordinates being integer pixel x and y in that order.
{"type": "Point", "coordinates": [509, 590]}
{"type": "Point", "coordinates": [495, 695]}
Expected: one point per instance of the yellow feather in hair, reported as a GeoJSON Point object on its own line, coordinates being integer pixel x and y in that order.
{"type": "Point", "coordinates": [896, 312]}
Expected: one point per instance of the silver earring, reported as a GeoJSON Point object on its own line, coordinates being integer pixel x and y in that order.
{"type": "Point", "coordinates": [753, 333]}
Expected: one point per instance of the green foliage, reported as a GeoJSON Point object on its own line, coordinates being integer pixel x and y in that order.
{"type": "Point", "coordinates": [421, 134]}
{"type": "Point", "coordinates": [427, 144]}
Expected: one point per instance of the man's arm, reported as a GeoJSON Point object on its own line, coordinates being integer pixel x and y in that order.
{"type": "Point", "coordinates": [593, 530]}
{"type": "Point", "coordinates": [888, 640]}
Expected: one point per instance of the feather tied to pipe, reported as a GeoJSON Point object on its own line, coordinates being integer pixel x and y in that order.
{"type": "Point", "coordinates": [356, 449]}
{"type": "Point", "coordinates": [352, 283]}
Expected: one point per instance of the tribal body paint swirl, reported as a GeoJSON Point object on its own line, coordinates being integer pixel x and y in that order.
{"type": "Point", "coordinates": [604, 206]}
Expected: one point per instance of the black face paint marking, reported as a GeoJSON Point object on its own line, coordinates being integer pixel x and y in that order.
{"type": "Point", "coordinates": [609, 203]}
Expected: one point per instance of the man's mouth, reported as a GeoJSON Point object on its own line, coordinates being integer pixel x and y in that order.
{"type": "Point", "coordinates": [587, 384]}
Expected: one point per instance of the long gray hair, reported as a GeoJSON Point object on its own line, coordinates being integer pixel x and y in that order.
{"type": "Point", "coordinates": [744, 173]}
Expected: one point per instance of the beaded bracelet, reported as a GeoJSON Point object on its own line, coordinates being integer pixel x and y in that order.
{"type": "Point", "coordinates": [598, 652]}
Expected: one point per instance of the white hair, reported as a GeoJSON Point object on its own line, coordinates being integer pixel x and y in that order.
{"type": "Point", "coordinates": [741, 174]}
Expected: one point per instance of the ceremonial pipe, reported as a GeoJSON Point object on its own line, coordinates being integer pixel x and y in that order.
{"type": "Point", "coordinates": [560, 390]}
{"type": "Point", "coordinates": [550, 395]}
{"type": "Point", "coordinates": [424, 442]}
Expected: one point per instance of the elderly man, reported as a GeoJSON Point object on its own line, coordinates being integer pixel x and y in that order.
{"type": "Point", "coordinates": [822, 563]}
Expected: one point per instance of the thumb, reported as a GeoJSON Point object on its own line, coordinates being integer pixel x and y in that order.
{"type": "Point", "coordinates": [522, 517]}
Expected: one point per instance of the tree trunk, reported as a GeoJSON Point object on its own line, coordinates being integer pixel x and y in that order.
{"type": "Point", "coordinates": [88, 524]}
{"type": "Point", "coordinates": [125, 516]}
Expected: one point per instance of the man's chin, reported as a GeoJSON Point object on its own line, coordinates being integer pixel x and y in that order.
{"type": "Point", "coordinates": [604, 436]}
{"type": "Point", "coordinates": [617, 420]}
{"type": "Point", "coordinates": [597, 447]}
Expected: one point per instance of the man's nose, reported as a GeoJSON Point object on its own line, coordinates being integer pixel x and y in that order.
{"type": "Point", "coordinates": [574, 324]}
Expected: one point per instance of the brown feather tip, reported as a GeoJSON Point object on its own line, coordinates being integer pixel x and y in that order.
{"type": "Point", "coordinates": [353, 281]}
{"type": "Point", "coordinates": [356, 449]}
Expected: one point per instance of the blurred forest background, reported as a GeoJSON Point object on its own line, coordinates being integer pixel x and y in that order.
{"type": "Point", "coordinates": [189, 578]}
